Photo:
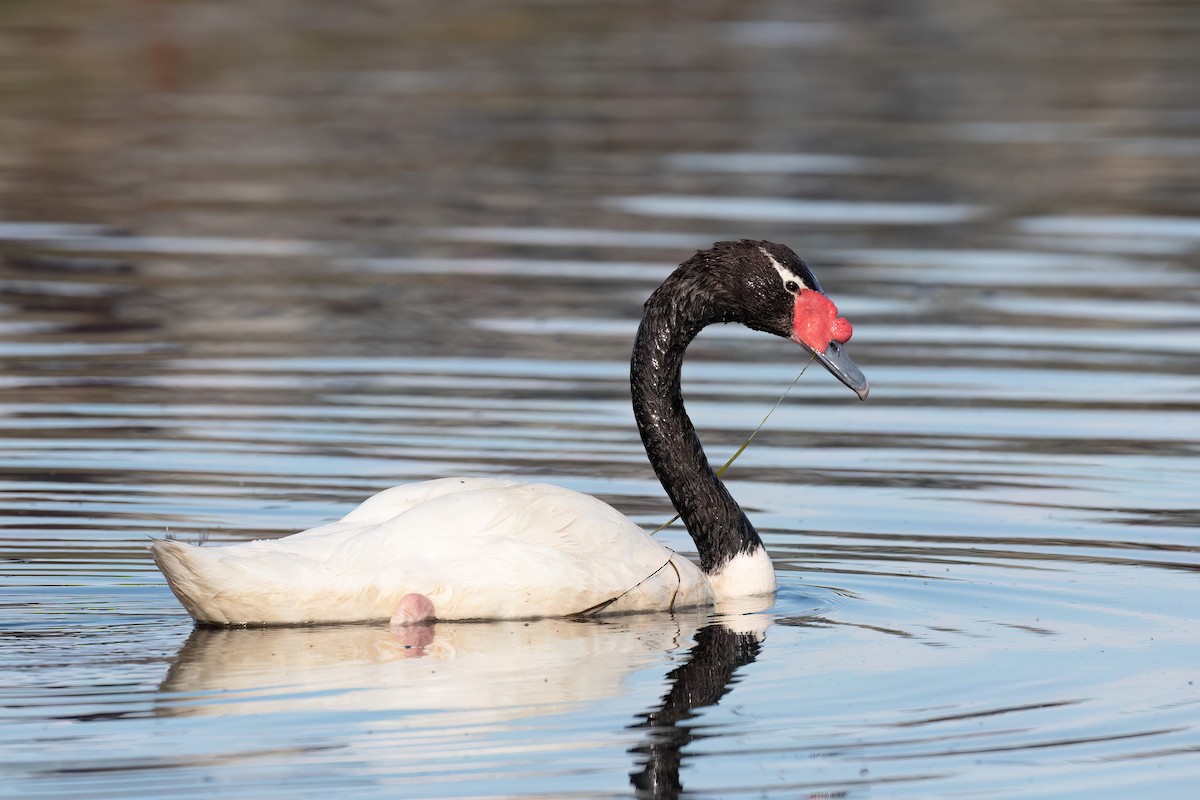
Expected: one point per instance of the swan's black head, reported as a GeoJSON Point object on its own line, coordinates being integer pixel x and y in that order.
{"type": "Point", "coordinates": [767, 287]}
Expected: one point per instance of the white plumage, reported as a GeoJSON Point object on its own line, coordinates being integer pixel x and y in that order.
{"type": "Point", "coordinates": [478, 548]}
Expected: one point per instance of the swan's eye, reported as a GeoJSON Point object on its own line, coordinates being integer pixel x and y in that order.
{"type": "Point", "coordinates": [792, 286]}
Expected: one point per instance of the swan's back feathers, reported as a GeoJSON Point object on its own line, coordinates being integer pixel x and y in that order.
{"type": "Point", "coordinates": [477, 547]}
{"type": "Point", "coordinates": [390, 502]}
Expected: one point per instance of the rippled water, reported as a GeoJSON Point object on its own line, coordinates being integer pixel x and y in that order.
{"type": "Point", "coordinates": [256, 263]}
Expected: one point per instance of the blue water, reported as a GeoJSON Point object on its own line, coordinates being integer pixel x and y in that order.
{"type": "Point", "coordinates": [262, 263]}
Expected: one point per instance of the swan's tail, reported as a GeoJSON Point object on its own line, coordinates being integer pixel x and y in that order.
{"type": "Point", "coordinates": [189, 574]}
{"type": "Point", "coordinates": [203, 578]}
{"type": "Point", "coordinates": [260, 583]}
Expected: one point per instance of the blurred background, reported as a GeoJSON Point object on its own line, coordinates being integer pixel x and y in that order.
{"type": "Point", "coordinates": [383, 123]}
{"type": "Point", "coordinates": [254, 145]}
{"type": "Point", "coordinates": [259, 260]}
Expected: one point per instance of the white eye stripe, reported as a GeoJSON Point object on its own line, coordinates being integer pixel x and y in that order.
{"type": "Point", "coordinates": [785, 274]}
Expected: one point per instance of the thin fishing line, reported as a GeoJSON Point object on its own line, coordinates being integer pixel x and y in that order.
{"type": "Point", "coordinates": [603, 604]}
{"type": "Point", "coordinates": [749, 438]}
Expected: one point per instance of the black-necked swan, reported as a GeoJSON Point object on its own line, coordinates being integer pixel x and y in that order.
{"type": "Point", "coordinates": [482, 548]}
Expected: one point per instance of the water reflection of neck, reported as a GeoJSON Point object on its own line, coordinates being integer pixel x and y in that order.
{"type": "Point", "coordinates": [706, 677]}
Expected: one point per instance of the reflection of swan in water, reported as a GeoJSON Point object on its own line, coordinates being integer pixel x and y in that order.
{"type": "Point", "coordinates": [445, 667]}
{"type": "Point", "coordinates": [706, 677]}
{"type": "Point", "coordinates": [470, 675]}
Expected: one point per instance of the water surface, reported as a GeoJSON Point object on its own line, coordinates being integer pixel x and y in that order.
{"type": "Point", "coordinates": [256, 264]}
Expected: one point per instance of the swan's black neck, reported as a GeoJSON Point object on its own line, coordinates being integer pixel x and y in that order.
{"type": "Point", "coordinates": [688, 301]}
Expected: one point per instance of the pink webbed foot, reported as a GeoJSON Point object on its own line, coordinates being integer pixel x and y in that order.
{"type": "Point", "coordinates": [413, 609]}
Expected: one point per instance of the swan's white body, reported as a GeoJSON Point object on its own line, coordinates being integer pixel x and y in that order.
{"type": "Point", "coordinates": [478, 548]}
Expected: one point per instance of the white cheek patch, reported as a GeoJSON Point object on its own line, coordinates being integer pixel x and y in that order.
{"type": "Point", "coordinates": [784, 273]}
